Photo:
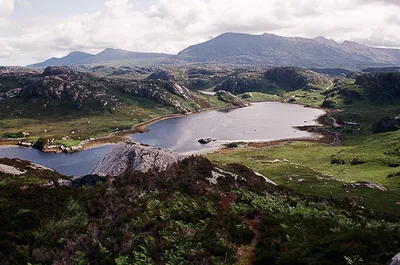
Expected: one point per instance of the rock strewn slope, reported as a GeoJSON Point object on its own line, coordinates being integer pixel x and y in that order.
{"type": "Point", "coordinates": [273, 79]}
{"type": "Point", "coordinates": [80, 89]}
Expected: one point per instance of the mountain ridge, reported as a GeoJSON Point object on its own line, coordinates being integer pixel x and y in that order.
{"type": "Point", "coordinates": [107, 55]}
{"type": "Point", "coordinates": [271, 49]}
{"type": "Point", "coordinates": [247, 49]}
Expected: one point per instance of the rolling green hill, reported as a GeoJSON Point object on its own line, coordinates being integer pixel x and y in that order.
{"type": "Point", "coordinates": [61, 100]}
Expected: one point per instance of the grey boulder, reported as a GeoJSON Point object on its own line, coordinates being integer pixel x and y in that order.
{"type": "Point", "coordinates": [135, 157]}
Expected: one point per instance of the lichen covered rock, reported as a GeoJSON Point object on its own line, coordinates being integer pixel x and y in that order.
{"type": "Point", "coordinates": [135, 157]}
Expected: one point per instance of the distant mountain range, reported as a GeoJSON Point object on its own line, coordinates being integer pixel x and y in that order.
{"type": "Point", "coordinates": [269, 49]}
{"type": "Point", "coordinates": [245, 49]}
{"type": "Point", "coordinates": [113, 56]}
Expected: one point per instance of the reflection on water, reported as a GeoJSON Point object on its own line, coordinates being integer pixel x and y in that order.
{"type": "Point", "coordinates": [260, 122]}
{"type": "Point", "coordinates": [77, 164]}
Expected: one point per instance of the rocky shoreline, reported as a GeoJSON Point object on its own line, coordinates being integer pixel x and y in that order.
{"type": "Point", "coordinates": [327, 137]}
{"type": "Point", "coordinates": [116, 137]}
{"type": "Point", "coordinates": [121, 136]}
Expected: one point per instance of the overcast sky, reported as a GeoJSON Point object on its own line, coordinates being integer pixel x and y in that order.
{"type": "Point", "coordinates": [34, 30]}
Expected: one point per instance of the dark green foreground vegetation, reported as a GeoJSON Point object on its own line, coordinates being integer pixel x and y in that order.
{"type": "Point", "coordinates": [178, 217]}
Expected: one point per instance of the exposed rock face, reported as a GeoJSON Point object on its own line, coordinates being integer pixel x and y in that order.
{"type": "Point", "coordinates": [230, 98]}
{"type": "Point", "coordinates": [369, 185]}
{"type": "Point", "coordinates": [63, 83]}
{"type": "Point", "coordinates": [387, 124]}
{"type": "Point", "coordinates": [10, 170]}
{"type": "Point", "coordinates": [92, 92]}
{"type": "Point", "coordinates": [135, 157]}
{"type": "Point", "coordinates": [154, 93]}
{"type": "Point", "coordinates": [59, 70]}
{"type": "Point", "coordinates": [206, 77]}
{"type": "Point", "coordinates": [161, 75]}
{"type": "Point", "coordinates": [266, 179]}
{"type": "Point", "coordinates": [46, 144]}
{"type": "Point", "coordinates": [395, 260]}
{"type": "Point", "coordinates": [11, 71]}
{"type": "Point", "coordinates": [239, 83]}
{"type": "Point", "coordinates": [274, 79]}
{"type": "Point", "coordinates": [171, 85]}
{"type": "Point", "coordinates": [19, 167]}
{"type": "Point", "coordinates": [179, 90]}
{"type": "Point", "coordinates": [297, 78]}
{"type": "Point", "coordinates": [9, 94]}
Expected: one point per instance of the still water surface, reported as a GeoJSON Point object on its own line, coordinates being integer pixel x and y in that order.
{"type": "Point", "coordinates": [261, 122]}
{"type": "Point", "coordinates": [265, 121]}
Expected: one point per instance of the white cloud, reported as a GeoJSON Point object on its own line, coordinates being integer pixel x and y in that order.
{"type": "Point", "coordinates": [172, 25]}
{"type": "Point", "coordinates": [23, 2]}
{"type": "Point", "coordinates": [6, 8]}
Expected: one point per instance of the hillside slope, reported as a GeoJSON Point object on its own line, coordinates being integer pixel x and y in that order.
{"type": "Point", "coordinates": [381, 87]}
{"type": "Point", "coordinates": [273, 80]}
{"type": "Point", "coordinates": [192, 213]}
{"type": "Point", "coordinates": [108, 56]}
{"type": "Point", "coordinates": [269, 49]}
{"type": "Point", "coordinates": [61, 100]}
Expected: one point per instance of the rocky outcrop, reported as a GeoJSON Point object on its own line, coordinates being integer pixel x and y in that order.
{"type": "Point", "coordinates": [266, 179]}
{"type": "Point", "coordinates": [170, 83]}
{"type": "Point", "coordinates": [297, 78]}
{"type": "Point", "coordinates": [380, 87]}
{"type": "Point", "coordinates": [231, 99]}
{"type": "Point", "coordinates": [19, 167]}
{"type": "Point", "coordinates": [205, 77]}
{"type": "Point", "coordinates": [16, 71]}
{"type": "Point", "coordinates": [207, 140]}
{"type": "Point", "coordinates": [60, 70]}
{"type": "Point", "coordinates": [10, 94]}
{"type": "Point", "coordinates": [162, 75]}
{"type": "Point", "coordinates": [387, 124]}
{"type": "Point", "coordinates": [179, 90]}
{"type": "Point", "coordinates": [25, 144]}
{"type": "Point", "coordinates": [153, 92]}
{"type": "Point", "coordinates": [63, 83]}
{"type": "Point", "coordinates": [274, 79]}
{"type": "Point", "coordinates": [240, 83]}
{"type": "Point", "coordinates": [84, 90]}
{"type": "Point", "coordinates": [10, 170]}
{"type": "Point", "coordinates": [395, 260]}
{"type": "Point", "coordinates": [135, 157]}
{"type": "Point", "coordinates": [369, 185]}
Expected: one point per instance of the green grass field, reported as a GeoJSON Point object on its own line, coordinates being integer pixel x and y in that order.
{"type": "Point", "coordinates": [77, 124]}
{"type": "Point", "coordinates": [312, 161]}
{"type": "Point", "coordinates": [61, 120]}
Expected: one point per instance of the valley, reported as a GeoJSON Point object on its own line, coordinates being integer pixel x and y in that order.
{"type": "Point", "coordinates": [297, 165]}
{"type": "Point", "coordinates": [205, 132]}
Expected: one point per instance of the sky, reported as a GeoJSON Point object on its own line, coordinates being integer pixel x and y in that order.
{"type": "Point", "coordinates": [35, 30]}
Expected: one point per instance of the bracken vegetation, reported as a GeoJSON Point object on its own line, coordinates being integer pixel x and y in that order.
{"type": "Point", "coordinates": [178, 217]}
